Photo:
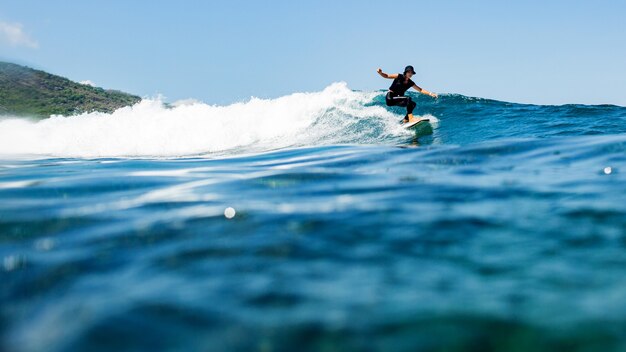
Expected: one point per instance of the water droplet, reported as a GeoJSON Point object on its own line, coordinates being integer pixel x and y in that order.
{"type": "Point", "coordinates": [11, 262]}
{"type": "Point", "coordinates": [44, 244]}
{"type": "Point", "coordinates": [229, 212]}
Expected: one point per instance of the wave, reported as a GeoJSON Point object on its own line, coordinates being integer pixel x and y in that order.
{"type": "Point", "coordinates": [335, 115]}
{"type": "Point", "coordinates": [150, 128]}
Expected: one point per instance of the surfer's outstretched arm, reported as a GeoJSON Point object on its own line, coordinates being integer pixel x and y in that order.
{"type": "Point", "coordinates": [424, 91]}
{"type": "Point", "coordinates": [384, 75]}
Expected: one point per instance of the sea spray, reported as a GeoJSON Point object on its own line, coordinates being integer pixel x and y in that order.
{"type": "Point", "coordinates": [150, 129]}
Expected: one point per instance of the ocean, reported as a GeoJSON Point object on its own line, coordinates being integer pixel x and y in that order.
{"type": "Point", "coordinates": [503, 230]}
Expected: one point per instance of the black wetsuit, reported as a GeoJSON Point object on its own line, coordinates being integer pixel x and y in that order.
{"type": "Point", "coordinates": [395, 96]}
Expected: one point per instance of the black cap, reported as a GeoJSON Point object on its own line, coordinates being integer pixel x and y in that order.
{"type": "Point", "coordinates": [409, 69]}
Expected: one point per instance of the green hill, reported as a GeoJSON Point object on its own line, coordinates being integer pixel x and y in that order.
{"type": "Point", "coordinates": [28, 92]}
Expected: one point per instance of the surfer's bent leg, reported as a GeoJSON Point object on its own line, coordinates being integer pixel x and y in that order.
{"type": "Point", "coordinates": [396, 100]}
{"type": "Point", "coordinates": [410, 106]}
{"type": "Point", "coordinates": [389, 99]}
{"type": "Point", "coordinates": [403, 101]}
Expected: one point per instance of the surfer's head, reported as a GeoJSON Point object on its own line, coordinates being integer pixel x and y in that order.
{"type": "Point", "coordinates": [409, 71]}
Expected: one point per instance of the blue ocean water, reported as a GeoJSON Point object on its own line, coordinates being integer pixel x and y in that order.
{"type": "Point", "coordinates": [504, 229]}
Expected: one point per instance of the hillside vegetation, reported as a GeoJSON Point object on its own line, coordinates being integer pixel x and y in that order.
{"type": "Point", "coordinates": [28, 92]}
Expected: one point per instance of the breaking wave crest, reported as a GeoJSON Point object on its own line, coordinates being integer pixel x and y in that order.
{"type": "Point", "coordinates": [335, 115]}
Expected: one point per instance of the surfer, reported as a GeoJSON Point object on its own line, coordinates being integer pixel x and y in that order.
{"type": "Point", "coordinates": [401, 83]}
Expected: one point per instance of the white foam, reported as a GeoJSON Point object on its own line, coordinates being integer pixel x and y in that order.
{"type": "Point", "coordinates": [434, 121]}
{"type": "Point", "coordinates": [150, 129]}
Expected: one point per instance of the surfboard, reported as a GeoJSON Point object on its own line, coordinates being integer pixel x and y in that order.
{"type": "Point", "coordinates": [414, 123]}
{"type": "Point", "coordinates": [421, 127]}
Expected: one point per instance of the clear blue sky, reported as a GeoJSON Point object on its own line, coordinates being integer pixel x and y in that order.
{"type": "Point", "coordinates": [550, 51]}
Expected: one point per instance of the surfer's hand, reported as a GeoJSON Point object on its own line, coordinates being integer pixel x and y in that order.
{"type": "Point", "coordinates": [434, 95]}
{"type": "Point", "coordinates": [380, 70]}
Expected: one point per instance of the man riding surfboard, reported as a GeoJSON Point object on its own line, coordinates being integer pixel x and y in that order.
{"type": "Point", "coordinates": [401, 83]}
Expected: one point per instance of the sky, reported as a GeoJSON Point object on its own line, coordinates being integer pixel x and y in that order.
{"type": "Point", "coordinates": [221, 52]}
